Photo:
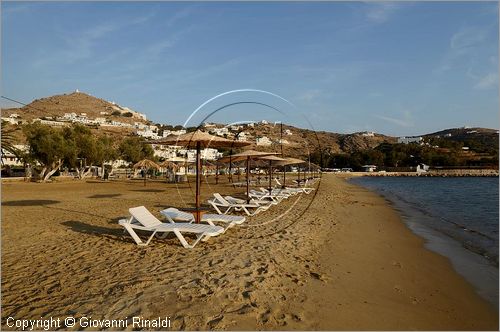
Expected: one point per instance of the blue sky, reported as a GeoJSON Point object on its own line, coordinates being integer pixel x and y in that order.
{"type": "Point", "coordinates": [394, 68]}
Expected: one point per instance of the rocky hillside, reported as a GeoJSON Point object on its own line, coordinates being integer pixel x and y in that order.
{"type": "Point", "coordinates": [77, 102]}
{"type": "Point", "coordinates": [303, 140]}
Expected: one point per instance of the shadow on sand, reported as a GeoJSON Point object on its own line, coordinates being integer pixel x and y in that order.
{"type": "Point", "coordinates": [149, 190]}
{"type": "Point", "coordinates": [81, 227]}
{"type": "Point", "coordinates": [104, 196]}
{"type": "Point", "coordinates": [30, 202]}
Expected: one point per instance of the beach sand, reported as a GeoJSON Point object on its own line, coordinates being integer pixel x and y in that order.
{"type": "Point", "coordinates": [340, 258]}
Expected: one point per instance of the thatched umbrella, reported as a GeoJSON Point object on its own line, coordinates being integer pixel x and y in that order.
{"type": "Point", "coordinates": [247, 155]}
{"type": "Point", "coordinates": [271, 160]}
{"type": "Point", "coordinates": [199, 139]}
{"type": "Point", "coordinates": [146, 164]}
{"type": "Point", "coordinates": [170, 166]}
{"type": "Point", "coordinates": [289, 161]}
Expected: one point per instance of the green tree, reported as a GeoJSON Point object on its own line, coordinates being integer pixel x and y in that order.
{"type": "Point", "coordinates": [48, 147]}
{"type": "Point", "coordinates": [87, 150]}
{"type": "Point", "coordinates": [134, 149]}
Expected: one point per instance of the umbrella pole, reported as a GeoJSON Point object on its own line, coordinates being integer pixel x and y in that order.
{"type": "Point", "coordinates": [270, 174]}
{"type": "Point", "coordinates": [216, 174]}
{"type": "Point", "coordinates": [248, 179]}
{"type": "Point", "coordinates": [198, 182]}
{"type": "Point", "coordinates": [230, 167]}
{"type": "Point", "coordinates": [284, 177]}
{"type": "Point", "coordinates": [298, 174]}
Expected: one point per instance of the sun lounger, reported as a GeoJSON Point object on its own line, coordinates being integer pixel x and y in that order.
{"type": "Point", "coordinates": [265, 196]}
{"type": "Point", "coordinates": [281, 193]}
{"type": "Point", "coordinates": [298, 189]}
{"type": "Point", "coordinates": [222, 206]}
{"type": "Point", "coordinates": [263, 203]}
{"type": "Point", "coordinates": [175, 215]}
{"type": "Point", "coordinates": [142, 219]}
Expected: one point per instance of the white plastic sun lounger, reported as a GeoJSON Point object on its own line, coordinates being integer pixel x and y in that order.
{"type": "Point", "coordinates": [298, 189]}
{"type": "Point", "coordinates": [279, 193]}
{"type": "Point", "coordinates": [175, 215]}
{"type": "Point", "coordinates": [142, 219]}
{"type": "Point", "coordinates": [263, 203]}
{"type": "Point", "coordinates": [265, 196]}
{"type": "Point", "coordinates": [219, 204]}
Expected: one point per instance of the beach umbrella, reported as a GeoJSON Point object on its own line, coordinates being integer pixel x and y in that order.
{"type": "Point", "coordinates": [169, 165]}
{"type": "Point", "coordinates": [289, 161]}
{"type": "Point", "coordinates": [146, 164]}
{"type": "Point", "coordinates": [247, 155]}
{"type": "Point", "coordinates": [180, 160]}
{"type": "Point", "coordinates": [199, 139]}
{"type": "Point", "coordinates": [272, 160]}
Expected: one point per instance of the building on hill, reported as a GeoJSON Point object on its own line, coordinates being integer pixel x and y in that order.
{"type": "Point", "coordinates": [235, 127]}
{"type": "Point", "coordinates": [288, 132]}
{"type": "Point", "coordinates": [243, 136]}
{"type": "Point", "coordinates": [10, 120]}
{"type": "Point", "coordinates": [263, 141]}
{"type": "Point", "coordinates": [407, 140]}
{"type": "Point", "coordinates": [51, 123]}
{"type": "Point", "coordinates": [368, 134]}
{"type": "Point", "coordinates": [10, 159]}
{"type": "Point", "coordinates": [219, 131]}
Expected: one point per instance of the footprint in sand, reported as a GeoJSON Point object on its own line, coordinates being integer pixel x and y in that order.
{"type": "Point", "coordinates": [213, 323]}
{"type": "Point", "coordinates": [396, 264]}
{"type": "Point", "coordinates": [317, 276]}
{"type": "Point", "coordinates": [264, 317]}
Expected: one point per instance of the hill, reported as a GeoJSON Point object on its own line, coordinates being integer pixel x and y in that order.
{"type": "Point", "coordinates": [456, 146]}
{"type": "Point", "coordinates": [80, 103]}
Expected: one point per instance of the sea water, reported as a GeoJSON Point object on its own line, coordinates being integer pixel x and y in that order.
{"type": "Point", "coordinates": [458, 217]}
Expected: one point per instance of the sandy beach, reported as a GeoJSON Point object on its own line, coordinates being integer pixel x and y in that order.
{"type": "Point", "coordinates": [337, 259]}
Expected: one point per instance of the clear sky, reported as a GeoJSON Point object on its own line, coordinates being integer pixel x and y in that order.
{"type": "Point", "coordinates": [394, 68]}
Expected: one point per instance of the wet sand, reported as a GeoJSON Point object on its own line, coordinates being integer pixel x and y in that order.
{"type": "Point", "coordinates": [337, 259]}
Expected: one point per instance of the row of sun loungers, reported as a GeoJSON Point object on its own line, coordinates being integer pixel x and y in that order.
{"type": "Point", "coordinates": [179, 222]}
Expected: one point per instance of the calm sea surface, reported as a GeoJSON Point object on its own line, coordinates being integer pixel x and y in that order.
{"type": "Point", "coordinates": [457, 216]}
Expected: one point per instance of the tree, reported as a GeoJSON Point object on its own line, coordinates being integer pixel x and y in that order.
{"type": "Point", "coordinates": [87, 150]}
{"type": "Point", "coordinates": [48, 147]}
{"type": "Point", "coordinates": [134, 149]}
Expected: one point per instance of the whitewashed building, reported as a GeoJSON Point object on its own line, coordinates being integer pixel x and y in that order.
{"type": "Point", "coordinates": [407, 140]}
{"type": "Point", "coordinates": [264, 141]}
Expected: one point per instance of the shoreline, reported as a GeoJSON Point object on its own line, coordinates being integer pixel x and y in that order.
{"type": "Point", "coordinates": [430, 279]}
{"type": "Point", "coordinates": [478, 270]}
{"type": "Point", "coordinates": [338, 259]}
